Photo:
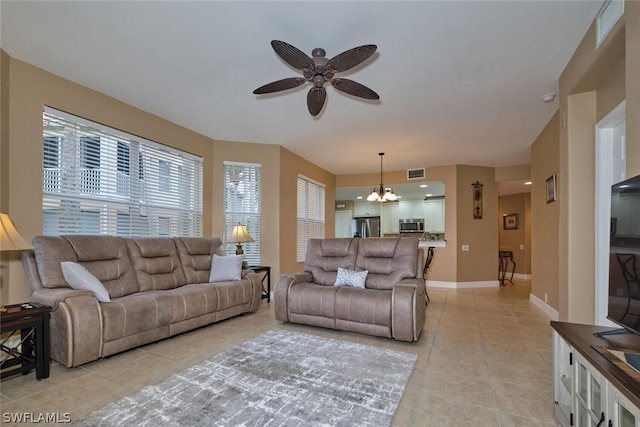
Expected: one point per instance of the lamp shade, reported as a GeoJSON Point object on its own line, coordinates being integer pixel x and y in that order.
{"type": "Point", "coordinates": [239, 234]}
{"type": "Point", "coordinates": [10, 239]}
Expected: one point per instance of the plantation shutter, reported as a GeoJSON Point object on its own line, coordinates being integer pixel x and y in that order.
{"type": "Point", "coordinates": [242, 204]}
{"type": "Point", "coordinates": [99, 180]}
{"type": "Point", "coordinates": [310, 215]}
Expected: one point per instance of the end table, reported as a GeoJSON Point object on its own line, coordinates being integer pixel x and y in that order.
{"type": "Point", "coordinates": [266, 293]}
{"type": "Point", "coordinates": [32, 320]}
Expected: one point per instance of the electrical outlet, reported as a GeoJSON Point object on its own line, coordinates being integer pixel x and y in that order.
{"type": "Point", "coordinates": [522, 247]}
{"type": "Point", "coordinates": [465, 248]}
{"type": "Point", "coordinates": [545, 297]}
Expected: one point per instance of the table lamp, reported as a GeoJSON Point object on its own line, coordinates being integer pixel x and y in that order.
{"type": "Point", "coordinates": [240, 235]}
{"type": "Point", "coordinates": [10, 239]}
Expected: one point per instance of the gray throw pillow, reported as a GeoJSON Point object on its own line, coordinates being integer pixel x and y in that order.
{"type": "Point", "coordinates": [79, 278]}
{"type": "Point", "coordinates": [226, 268]}
{"type": "Point", "coordinates": [353, 278]}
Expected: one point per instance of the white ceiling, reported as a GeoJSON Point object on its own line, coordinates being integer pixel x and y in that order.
{"type": "Point", "coordinates": [460, 81]}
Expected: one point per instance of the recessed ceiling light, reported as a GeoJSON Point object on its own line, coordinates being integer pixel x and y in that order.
{"type": "Point", "coordinates": [359, 197]}
{"type": "Point", "coordinates": [429, 195]}
{"type": "Point", "coordinates": [527, 183]}
{"type": "Point", "coordinates": [423, 186]}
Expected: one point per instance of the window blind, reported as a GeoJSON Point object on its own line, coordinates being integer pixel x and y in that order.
{"type": "Point", "coordinates": [310, 216]}
{"type": "Point", "coordinates": [242, 204]}
{"type": "Point", "coordinates": [99, 180]}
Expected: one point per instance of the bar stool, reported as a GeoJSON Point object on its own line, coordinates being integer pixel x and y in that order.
{"type": "Point", "coordinates": [430, 252]}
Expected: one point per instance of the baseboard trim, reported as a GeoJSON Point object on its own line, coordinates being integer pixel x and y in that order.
{"type": "Point", "coordinates": [462, 285]}
{"type": "Point", "coordinates": [546, 308]}
{"type": "Point", "coordinates": [522, 276]}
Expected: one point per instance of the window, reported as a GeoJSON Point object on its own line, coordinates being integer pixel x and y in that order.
{"type": "Point", "coordinates": [88, 187]}
{"type": "Point", "coordinates": [310, 214]}
{"type": "Point", "coordinates": [242, 204]}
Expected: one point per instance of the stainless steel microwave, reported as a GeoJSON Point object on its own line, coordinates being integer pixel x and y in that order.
{"type": "Point", "coordinates": [412, 225]}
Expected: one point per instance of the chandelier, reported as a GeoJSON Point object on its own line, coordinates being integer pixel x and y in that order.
{"type": "Point", "coordinates": [382, 194]}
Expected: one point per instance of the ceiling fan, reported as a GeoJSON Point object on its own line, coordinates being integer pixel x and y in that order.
{"type": "Point", "coordinates": [318, 70]}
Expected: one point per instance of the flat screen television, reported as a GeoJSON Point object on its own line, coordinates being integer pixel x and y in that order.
{"type": "Point", "coordinates": [624, 255]}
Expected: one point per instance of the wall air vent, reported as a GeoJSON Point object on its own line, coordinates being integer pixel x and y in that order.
{"type": "Point", "coordinates": [415, 173]}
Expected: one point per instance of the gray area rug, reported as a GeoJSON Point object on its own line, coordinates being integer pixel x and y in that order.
{"type": "Point", "coordinates": [280, 378]}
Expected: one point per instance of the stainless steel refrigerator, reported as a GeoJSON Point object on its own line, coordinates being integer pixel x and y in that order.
{"type": "Point", "coordinates": [365, 226]}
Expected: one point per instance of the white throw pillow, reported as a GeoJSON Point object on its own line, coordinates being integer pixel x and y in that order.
{"type": "Point", "coordinates": [79, 277]}
{"type": "Point", "coordinates": [226, 268]}
{"type": "Point", "coordinates": [353, 278]}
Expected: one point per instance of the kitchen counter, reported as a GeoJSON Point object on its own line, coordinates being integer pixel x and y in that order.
{"type": "Point", "coordinates": [424, 243]}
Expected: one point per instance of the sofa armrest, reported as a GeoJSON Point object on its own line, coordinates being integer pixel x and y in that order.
{"type": "Point", "coordinates": [75, 325]}
{"type": "Point", "coordinates": [407, 311]}
{"type": "Point", "coordinates": [53, 297]}
{"type": "Point", "coordinates": [415, 281]}
{"type": "Point", "coordinates": [256, 284]}
{"type": "Point", "coordinates": [281, 292]}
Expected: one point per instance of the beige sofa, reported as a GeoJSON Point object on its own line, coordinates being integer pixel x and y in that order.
{"type": "Point", "coordinates": [158, 287]}
{"type": "Point", "coordinates": [392, 303]}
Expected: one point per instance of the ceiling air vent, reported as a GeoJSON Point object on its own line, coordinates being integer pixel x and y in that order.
{"type": "Point", "coordinates": [415, 173]}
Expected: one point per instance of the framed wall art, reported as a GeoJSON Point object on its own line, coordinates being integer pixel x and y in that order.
{"type": "Point", "coordinates": [510, 222]}
{"type": "Point", "coordinates": [477, 199]}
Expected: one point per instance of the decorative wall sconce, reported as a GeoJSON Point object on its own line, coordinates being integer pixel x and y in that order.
{"type": "Point", "coordinates": [477, 199]}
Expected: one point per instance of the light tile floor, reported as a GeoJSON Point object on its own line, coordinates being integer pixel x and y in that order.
{"type": "Point", "coordinates": [485, 359]}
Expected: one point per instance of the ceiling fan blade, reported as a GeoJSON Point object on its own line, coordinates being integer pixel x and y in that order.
{"type": "Point", "coordinates": [284, 84]}
{"type": "Point", "coordinates": [315, 100]}
{"type": "Point", "coordinates": [292, 55]}
{"type": "Point", "coordinates": [350, 58]}
{"type": "Point", "coordinates": [354, 88]}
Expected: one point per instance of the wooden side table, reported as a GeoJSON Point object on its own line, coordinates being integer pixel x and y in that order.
{"type": "Point", "coordinates": [32, 321]}
{"type": "Point", "coordinates": [266, 293]}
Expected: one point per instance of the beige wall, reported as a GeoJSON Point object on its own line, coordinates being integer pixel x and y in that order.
{"type": "Point", "coordinates": [292, 165]}
{"type": "Point", "coordinates": [545, 216]}
{"type": "Point", "coordinates": [514, 240]}
{"type": "Point", "coordinates": [480, 263]}
{"type": "Point", "coordinates": [632, 87]}
{"type": "Point", "coordinates": [268, 156]}
{"type": "Point", "coordinates": [21, 149]}
{"type": "Point", "coordinates": [593, 83]}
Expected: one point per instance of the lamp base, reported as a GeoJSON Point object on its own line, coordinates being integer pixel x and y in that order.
{"type": "Point", "coordinates": [239, 250]}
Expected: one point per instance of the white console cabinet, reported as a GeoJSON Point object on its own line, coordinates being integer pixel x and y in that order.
{"type": "Point", "coordinates": [589, 389]}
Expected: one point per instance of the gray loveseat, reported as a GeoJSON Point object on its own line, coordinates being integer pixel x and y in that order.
{"type": "Point", "coordinates": [158, 287]}
{"type": "Point", "coordinates": [391, 304]}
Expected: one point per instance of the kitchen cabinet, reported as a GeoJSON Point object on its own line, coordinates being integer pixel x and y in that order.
{"type": "Point", "coordinates": [434, 216]}
{"type": "Point", "coordinates": [366, 209]}
{"type": "Point", "coordinates": [390, 217]}
{"type": "Point", "coordinates": [343, 224]}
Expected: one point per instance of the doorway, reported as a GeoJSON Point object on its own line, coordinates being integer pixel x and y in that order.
{"type": "Point", "coordinates": [610, 169]}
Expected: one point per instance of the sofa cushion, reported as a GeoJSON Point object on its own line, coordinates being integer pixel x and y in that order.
{"type": "Point", "coordinates": [388, 260]}
{"type": "Point", "coordinates": [226, 268]}
{"type": "Point", "coordinates": [192, 300]}
{"type": "Point", "coordinates": [106, 257]}
{"type": "Point", "coordinates": [156, 263]}
{"type": "Point", "coordinates": [325, 256]}
{"type": "Point", "coordinates": [80, 278]}
{"type": "Point", "coordinates": [50, 252]}
{"type": "Point", "coordinates": [136, 313]}
{"type": "Point", "coordinates": [312, 299]}
{"type": "Point", "coordinates": [195, 255]}
{"type": "Point", "coordinates": [364, 306]}
{"type": "Point", "coordinates": [353, 278]}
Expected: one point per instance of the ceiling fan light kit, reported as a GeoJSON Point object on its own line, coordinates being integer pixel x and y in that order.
{"type": "Point", "coordinates": [319, 70]}
{"type": "Point", "coordinates": [382, 194]}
